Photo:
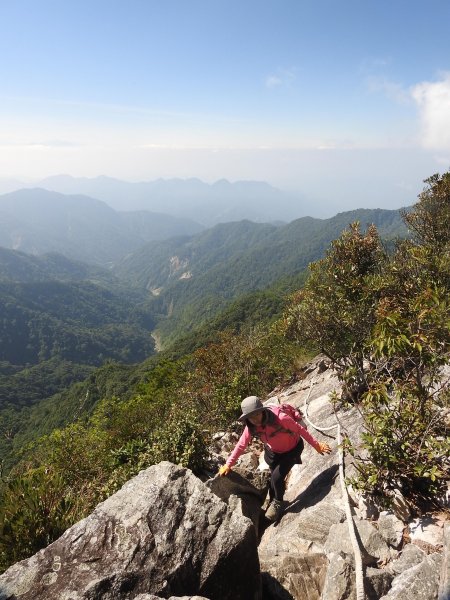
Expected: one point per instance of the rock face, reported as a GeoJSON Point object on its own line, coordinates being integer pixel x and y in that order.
{"type": "Point", "coordinates": [391, 528]}
{"type": "Point", "coordinates": [163, 534]}
{"type": "Point", "coordinates": [308, 555]}
{"type": "Point", "coordinates": [444, 586]}
{"type": "Point", "coordinates": [239, 486]}
{"type": "Point", "coordinates": [420, 582]}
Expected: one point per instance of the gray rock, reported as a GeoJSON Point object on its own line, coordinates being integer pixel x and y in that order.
{"type": "Point", "coordinates": [427, 532]}
{"type": "Point", "coordinates": [247, 464]}
{"type": "Point", "coordinates": [377, 582]}
{"type": "Point", "coordinates": [314, 523]}
{"type": "Point", "coordinates": [391, 528]}
{"type": "Point", "coordinates": [411, 555]}
{"type": "Point", "coordinates": [164, 533]}
{"type": "Point", "coordinates": [373, 547]}
{"type": "Point", "coordinates": [420, 582]}
{"type": "Point", "coordinates": [259, 480]}
{"type": "Point", "coordinates": [400, 506]}
{"type": "Point", "coordinates": [366, 508]}
{"type": "Point", "coordinates": [299, 533]}
{"type": "Point", "coordinates": [444, 585]}
{"type": "Point", "coordinates": [300, 577]}
{"type": "Point", "coordinates": [340, 581]}
{"type": "Point", "coordinates": [250, 496]}
{"type": "Point", "coordinates": [152, 597]}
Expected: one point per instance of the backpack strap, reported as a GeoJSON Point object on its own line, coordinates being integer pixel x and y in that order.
{"type": "Point", "coordinates": [276, 419]}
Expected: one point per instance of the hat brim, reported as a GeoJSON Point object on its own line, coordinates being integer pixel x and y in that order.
{"type": "Point", "coordinates": [249, 414]}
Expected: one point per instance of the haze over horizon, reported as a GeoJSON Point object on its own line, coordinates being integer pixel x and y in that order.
{"type": "Point", "coordinates": [347, 104]}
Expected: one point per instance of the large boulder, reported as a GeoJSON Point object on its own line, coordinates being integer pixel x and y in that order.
{"type": "Point", "coordinates": [373, 547]}
{"type": "Point", "coordinates": [444, 584]}
{"type": "Point", "coordinates": [391, 528]}
{"type": "Point", "coordinates": [164, 534]}
{"type": "Point", "coordinates": [239, 485]}
{"type": "Point", "coordinates": [420, 582]}
{"type": "Point", "coordinates": [410, 556]}
{"type": "Point", "coordinates": [299, 576]}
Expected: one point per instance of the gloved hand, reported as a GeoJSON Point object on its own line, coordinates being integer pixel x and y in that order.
{"type": "Point", "coordinates": [324, 448]}
{"type": "Point", "coordinates": [224, 470]}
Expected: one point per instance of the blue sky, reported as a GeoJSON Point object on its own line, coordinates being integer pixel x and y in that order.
{"type": "Point", "coordinates": [346, 102]}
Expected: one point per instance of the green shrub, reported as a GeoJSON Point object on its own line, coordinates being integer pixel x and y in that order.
{"type": "Point", "coordinates": [34, 511]}
{"type": "Point", "coordinates": [385, 323]}
{"type": "Point", "coordinates": [335, 312]}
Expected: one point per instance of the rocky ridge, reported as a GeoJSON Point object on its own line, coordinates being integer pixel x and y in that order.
{"type": "Point", "coordinates": [166, 534]}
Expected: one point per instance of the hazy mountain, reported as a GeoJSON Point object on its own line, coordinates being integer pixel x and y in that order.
{"type": "Point", "coordinates": [8, 184]}
{"type": "Point", "coordinates": [194, 278]}
{"type": "Point", "coordinates": [38, 221]}
{"type": "Point", "coordinates": [21, 267]}
{"type": "Point", "coordinates": [220, 202]}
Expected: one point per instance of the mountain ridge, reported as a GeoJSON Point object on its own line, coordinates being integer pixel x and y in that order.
{"type": "Point", "coordinates": [194, 278]}
{"type": "Point", "coordinates": [38, 221]}
{"type": "Point", "coordinates": [219, 202]}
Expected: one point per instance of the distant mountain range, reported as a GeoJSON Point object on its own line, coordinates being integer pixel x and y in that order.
{"type": "Point", "coordinates": [38, 221]}
{"type": "Point", "coordinates": [220, 202]}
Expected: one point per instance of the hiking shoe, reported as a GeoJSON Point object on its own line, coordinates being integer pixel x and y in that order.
{"type": "Point", "coordinates": [275, 510]}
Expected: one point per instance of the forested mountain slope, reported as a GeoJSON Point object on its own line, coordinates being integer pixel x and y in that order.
{"type": "Point", "coordinates": [158, 264]}
{"type": "Point", "coordinates": [62, 318]}
{"type": "Point", "coordinates": [194, 278]}
{"type": "Point", "coordinates": [58, 320]}
{"type": "Point", "coordinates": [37, 221]}
{"type": "Point", "coordinates": [22, 267]}
{"type": "Point", "coordinates": [56, 397]}
{"type": "Point", "coordinates": [76, 322]}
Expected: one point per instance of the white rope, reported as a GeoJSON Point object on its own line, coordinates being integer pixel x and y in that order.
{"type": "Point", "coordinates": [360, 594]}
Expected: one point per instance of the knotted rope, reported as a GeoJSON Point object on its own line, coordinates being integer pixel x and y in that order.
{"type": "Point", "coordinates": [359, 573]}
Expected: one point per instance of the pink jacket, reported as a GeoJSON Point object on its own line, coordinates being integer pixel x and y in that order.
{"type": "Point", "coordinates": [277, 440]}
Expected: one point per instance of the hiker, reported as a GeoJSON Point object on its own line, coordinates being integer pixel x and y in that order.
{"type": "Point", "coordinates": [283, 444]}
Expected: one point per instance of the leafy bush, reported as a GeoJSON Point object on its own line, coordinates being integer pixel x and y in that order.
{"type": "Point", "coordinates": [385, 323]}
{"type": "Point", "coordinates": [335, 312]}
{"type": "Point", "coordinates": [407, 404]}
{"type": "Point", "coordinates": [253, 362]}
{"type": "Point", "coordinates": [34, 510]}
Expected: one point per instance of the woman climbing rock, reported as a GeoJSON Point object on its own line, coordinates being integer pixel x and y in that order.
{"type": "Point", "coordinates": [283, 439]}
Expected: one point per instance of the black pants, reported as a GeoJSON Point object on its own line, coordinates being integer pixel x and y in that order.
{"type": "Point", "coordinates": [280, 465]}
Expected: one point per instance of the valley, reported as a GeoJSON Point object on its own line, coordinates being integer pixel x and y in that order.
{"type": "Point", "coordinates": [62, 318]}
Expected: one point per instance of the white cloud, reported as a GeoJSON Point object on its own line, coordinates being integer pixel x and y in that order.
{"type": "Point", "coordinates": [273, 81]}
{"type": "Point", "coordinates": [283, 77]}
{"type": "Point", "coordinates": [433, 101]}
{"type": "Point", "coordinates": [392, 90]}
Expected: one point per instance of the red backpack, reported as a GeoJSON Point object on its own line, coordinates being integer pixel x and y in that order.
{"type": "Point", "coordinates": [286, 409]}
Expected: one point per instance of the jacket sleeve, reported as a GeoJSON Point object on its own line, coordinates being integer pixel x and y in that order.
{"type": "Point", "coordinates": [242, 444]}
{"type": "Point", "coordinates": [289, 423]}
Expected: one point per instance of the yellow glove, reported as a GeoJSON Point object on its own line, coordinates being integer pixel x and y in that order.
{"type": "Point", "coordinates": [224, 470]}
{"type": "Point", "coordinates": [324, 448]}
